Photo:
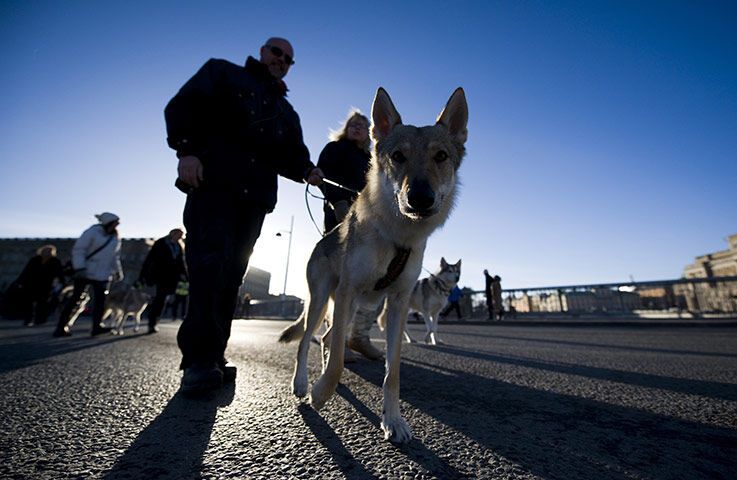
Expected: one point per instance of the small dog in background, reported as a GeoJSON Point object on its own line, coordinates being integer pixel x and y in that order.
{"type": "Point", "coordinates": [429, 296]}
{"type": "Point", "coordinates": [122, 302]}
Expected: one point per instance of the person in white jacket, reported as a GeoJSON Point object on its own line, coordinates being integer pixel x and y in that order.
{"type": "Point", "coordinates": [96, 261]}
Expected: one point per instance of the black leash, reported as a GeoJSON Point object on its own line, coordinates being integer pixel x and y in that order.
{"type": "Point", "coordinates": [307, 203]}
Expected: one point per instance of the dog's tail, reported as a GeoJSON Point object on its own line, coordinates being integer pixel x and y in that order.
{"type": "Point", "coordinates": [295, 331]}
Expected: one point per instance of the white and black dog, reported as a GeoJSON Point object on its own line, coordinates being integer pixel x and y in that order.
{"type": "Point", "coordinates": [429, 297]}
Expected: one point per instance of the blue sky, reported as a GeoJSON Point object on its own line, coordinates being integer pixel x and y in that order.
{"type": "Point", "coordinates": [602, 135]}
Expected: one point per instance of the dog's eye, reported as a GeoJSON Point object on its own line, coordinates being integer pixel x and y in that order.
{"type": "Point", "coordinates": [441, 156]}
{"type": "Point", "coordinates": [398, 157]}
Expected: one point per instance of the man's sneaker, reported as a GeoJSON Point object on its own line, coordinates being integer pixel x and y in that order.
{"type": "Point", "coordinates": [100, 331]}
{"type": "Point", "coordinates": [153, 329]}
{"type": "Point", "coordinates": [230, 371]}
{"type": "Point", "coordinates": [363, 346]}
{"type": "Point", "coordinates": [200, 378]}
{"type": "Point", "coordinates": [61, 333]}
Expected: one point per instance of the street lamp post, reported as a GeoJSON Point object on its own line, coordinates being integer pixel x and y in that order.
{"type": "Point", "coordinates": [289, 251]}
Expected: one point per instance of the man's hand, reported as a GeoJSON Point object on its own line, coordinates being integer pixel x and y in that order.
{"type": "Point", "coordinates": [190, 170]}
{"type": "Point", "coordinates": [315, 177]}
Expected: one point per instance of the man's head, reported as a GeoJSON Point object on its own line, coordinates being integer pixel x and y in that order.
{"type": "Point", "coordinates": [176, 234]}
{"type": "Point", "coordinates": [278, 55]}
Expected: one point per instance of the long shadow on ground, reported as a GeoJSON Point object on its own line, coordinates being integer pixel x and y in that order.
{"type": "Point", "coordinates": [554, 435]}
{"type": "Point", "coordinates": [716, 390]}
{"type": "Point", "coordinates": [25, 349]}
{"type": "Point", "coordinates": [174, 443]}
{"type": "Point", "coordinates": [609, 346]}
{"type": "Point", "coordinates": [414, 450]}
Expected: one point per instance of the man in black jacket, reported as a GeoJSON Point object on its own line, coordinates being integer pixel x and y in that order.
{"type": "Point", "coordinates": [234, 132]}
{"type": "Point", "coordinates": [163, 267]}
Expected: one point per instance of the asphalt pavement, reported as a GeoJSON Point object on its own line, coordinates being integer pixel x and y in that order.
{"type": "Point", "coordinates": [509, 401]}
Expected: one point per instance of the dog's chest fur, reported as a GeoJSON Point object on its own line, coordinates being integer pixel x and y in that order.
{"type": "Point", "coordinates": [376, 265]}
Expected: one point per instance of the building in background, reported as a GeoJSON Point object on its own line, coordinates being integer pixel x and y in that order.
{"type": "Point", "coordinates": [716, 295]}
{"type": "Point", "coordinates": [256, 283]}
{"type": "Point", "coordinates": [15, 253]}
{"type": "Point", "coordinates": [718, 264]}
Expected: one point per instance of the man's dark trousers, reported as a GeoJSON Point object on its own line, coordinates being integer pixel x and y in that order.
{"type": "Point", "coordinates": [222, 228]}
{"type": "Point", "coordinates": [450, 307]}
{"type": "Point", "coordinates": [157, 304]}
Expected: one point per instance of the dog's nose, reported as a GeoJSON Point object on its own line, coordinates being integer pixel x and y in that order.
{"type": "Point", "coordinates": [420, 197]}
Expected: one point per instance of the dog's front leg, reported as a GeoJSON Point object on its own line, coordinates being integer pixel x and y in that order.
{"type": "Point", "coordinates": [434, 340]}
{"type": "Point", "coordinates": [429, 329]}
{"type": "Point", "coordinates": [313, 317]}
{"type": "Point", "coordinates": [325, 386]}
{"type": "Point", "coordinates": [394, 426]}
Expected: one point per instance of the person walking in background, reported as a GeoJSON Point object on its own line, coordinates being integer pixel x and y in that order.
{"type": "Point", "coordinates": [345, 160]}
{"type": "Point", "coordinates": [163, 267]}
{"type": "Point", "coordinates": [96, 261]}
{"type": "Point", "coordinates": [234, 132]}
{"type": "Point", "coordinates": [36, 282]}
{"type": "Point", "coordinates": [453, 299]}
{"type": "Point", "coordinates": [247, 299]}
{"type": "Point", "coordinates": [178, 307]}
{"type": "Point", "coordinates": [487, 291]}
{"type": "Point", "coordinates": [496, 296]}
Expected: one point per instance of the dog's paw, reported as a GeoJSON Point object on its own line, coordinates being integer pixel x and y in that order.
{"type": "Point", "coordinates": [320, 394]}
{"type": "Point", "coordinates": [299, 387]}
{"type": "Point", "coordinates": [396, 430]}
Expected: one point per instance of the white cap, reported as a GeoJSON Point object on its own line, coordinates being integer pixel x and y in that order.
{"type": "Point", "coordinates": [107, 217]}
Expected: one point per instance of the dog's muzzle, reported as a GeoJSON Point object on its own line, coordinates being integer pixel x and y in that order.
{"type": "Point", "coordinates": [420, 199]}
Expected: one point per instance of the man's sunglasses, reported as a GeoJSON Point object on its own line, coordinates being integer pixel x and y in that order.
{"type": "Point", "coordinates": [278, 53]}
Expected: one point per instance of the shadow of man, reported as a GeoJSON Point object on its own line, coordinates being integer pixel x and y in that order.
{"type": "Point", "coordinates": [174, 443]}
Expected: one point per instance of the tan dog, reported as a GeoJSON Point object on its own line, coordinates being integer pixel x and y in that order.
{"type": "Point", "coordinates": [122, 302]}
{"type": "Point", "coordinates": [374, 257]}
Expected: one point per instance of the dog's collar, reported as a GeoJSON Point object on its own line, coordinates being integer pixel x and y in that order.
{"type": "Point", "coordinates": [395, 268]}
{"type": "Point", "coordinates": [440, 285]}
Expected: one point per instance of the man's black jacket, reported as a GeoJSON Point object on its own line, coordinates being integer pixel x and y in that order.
{"type": "Point", "coordinates": [237, 121]}
{"type": "Point", "coordinates": [162, 267]}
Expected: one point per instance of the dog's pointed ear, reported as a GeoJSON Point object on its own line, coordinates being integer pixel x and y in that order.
{"type": "Point", "coordinates": [384, 115]}
{"type": "Point", "coordinates": [443, 263]}
{"type": "Point", "coordinates": [455, 116]}
{"type": "Point", "coordinates": [459, 263]}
